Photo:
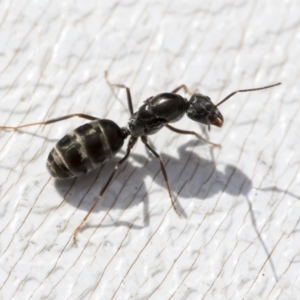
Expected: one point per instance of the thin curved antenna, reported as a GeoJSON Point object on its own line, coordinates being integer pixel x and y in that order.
{"type": "Point", "coordinates": [248, 90]}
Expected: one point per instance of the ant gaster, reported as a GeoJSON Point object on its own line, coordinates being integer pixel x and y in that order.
{"type": "Point", "coordinates": [92, 144]}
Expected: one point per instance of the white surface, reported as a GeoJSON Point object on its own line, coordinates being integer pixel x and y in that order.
{"type": "Point", "coordinates": [240, 236]}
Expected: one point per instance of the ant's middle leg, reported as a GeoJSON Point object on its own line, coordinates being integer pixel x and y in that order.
{"type": "Point", "coordinates": [197, 135]}
{"type": "Point", "coordinates": [130, 145]}
{"type": "Point", "coordinates": [163, 169]}
{"type": "Point", "coordinates": [122, 86]}
{"type": "Point", "coordinates": [84, 116]}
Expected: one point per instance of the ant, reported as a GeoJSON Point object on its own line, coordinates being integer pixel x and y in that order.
{"type": "Point", "coordinates": [92, 144]}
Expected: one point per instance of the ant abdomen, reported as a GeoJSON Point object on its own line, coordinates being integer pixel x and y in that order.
{"type": "Point", "coordinates": [85, 148]}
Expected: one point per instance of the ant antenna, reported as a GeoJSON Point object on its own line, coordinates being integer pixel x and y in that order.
{"type": "Point", "coordinates": [248, 90]}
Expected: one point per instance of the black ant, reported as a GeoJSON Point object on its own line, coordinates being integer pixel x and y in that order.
{"type": "Point", "coordinates": [92, 144]}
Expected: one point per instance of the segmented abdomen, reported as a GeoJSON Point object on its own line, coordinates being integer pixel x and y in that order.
{"type": "Point", "coordinates": [85, 148]}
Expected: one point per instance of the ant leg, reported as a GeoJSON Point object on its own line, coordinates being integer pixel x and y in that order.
{"type": "Point", "coordinates": [163, 169]}
{"type": "Point", "coordinates": [50, 121]}
{"type": "Point", "coordinates": [184, 87]}
{"type": "Point", "coordinates": [192, 133]}
{"type": "Point", "coordinates": [122, 86]}
{"type": "Point", "coordinates": [130, 145]}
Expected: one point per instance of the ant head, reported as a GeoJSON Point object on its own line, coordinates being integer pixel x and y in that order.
{"type": "Point", "coordinates": [202, 110]}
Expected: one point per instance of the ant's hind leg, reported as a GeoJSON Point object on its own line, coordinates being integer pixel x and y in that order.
{"type": "Point", "coordinates": [122, 86]}
{"type": "Point", "coordinates": [51, 121]}
{"type": "Point", "coordinates": [163, 169]}
{"type": "Point", "coordinates": [197, 135]}
{"type": "Point", "coordinates": [130, 145]}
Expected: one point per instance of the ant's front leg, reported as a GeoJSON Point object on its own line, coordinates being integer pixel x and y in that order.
{"type": "Point", "coordinates": [197, 135]}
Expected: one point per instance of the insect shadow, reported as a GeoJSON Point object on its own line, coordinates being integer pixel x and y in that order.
{"type": "Point", "coordinates": [200, 179]}
{"type": "Point", "coordinates": [126, 191]}
{"type": "Point", "coordinates": [93, 143]}
{"type": "Point", "coordinates": [195, 177]}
